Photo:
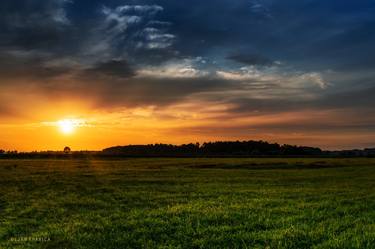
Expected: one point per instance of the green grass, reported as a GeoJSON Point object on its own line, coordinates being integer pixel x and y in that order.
{"type": "Point", "coordinates": [188, 203]}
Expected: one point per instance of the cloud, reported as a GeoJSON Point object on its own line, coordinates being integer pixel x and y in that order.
{"type": "Point", "coordinates": [140, 55]}
{"type": "Point", "coordinates": [34, 13]}
{"type": "Point", "coordinates": [276, 75]}
{"type": "Point", "coordinates": [260, 8]}
{"type": "Point", "coordinates": [251, 59]}
{"type": "Point", "coordinates": [115, 68]}
{"type": "Point", "coordinates": [129, 31]}
{"type": "Point", "coordinates": [358, 101]}
{"type": "Point", "coordinates": [32, 23]}
{"type": "Point", "coordinates": [187, 68]}
{"type": "Point", "coordinates": [154, 38]}
{"type": "Point", "coordinates": [106, 92]}
{"type": "Point", "coordinates": [18, 64]}
{"type": "Point", "coordinates": [140, 9]}
{"type": "Point", "coordinates": [314, 78]}
{"type": "Point", "coordinates": [40, 40]}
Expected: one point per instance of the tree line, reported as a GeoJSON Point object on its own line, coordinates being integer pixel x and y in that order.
{"type": "Point", "coordinates": [210, 149]}
{"type": "Point", "coordinates": [237, 148]}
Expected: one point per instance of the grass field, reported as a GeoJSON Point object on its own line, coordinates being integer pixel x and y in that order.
{"type": "Point", "coordinates": [187, 203]}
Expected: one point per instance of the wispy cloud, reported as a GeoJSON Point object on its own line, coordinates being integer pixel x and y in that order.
{"type": "Point", "coordinates": [126, 29]}
{"type": "Point", "coordinates": [188, 68]}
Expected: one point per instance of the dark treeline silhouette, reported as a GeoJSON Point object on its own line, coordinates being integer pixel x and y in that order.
{"type": "Point", "coordinates": [47, 154]}
{"type": "Point", "coordinates": [211, 149]}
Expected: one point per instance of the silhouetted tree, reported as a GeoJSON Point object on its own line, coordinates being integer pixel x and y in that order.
{"type": "Point", "coordinates": [67, 150]}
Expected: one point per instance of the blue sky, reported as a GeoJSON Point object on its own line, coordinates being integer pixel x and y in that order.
{"type": "Point", "coordinates": [255, 57]}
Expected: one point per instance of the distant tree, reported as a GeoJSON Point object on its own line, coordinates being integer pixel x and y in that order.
{"type": "Point", "coordinates": [67, 150]}
{"type": "Point", "coordinates": [2, 152]}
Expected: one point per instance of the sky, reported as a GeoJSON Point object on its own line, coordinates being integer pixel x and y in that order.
{"type": "Point", "coordinates": [174, 71]}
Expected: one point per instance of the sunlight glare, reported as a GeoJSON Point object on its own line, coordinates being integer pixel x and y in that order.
{"type": "Point", "coordinates": [67, 126]}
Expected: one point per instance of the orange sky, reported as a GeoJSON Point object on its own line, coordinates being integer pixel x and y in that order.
{"type": "Point", "coordinates": [179, 123]}
{"type": "Point", "coordinates": [32, 121]}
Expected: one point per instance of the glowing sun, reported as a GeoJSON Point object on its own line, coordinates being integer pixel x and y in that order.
{"type": "Point", "coordinates": [67, 126]}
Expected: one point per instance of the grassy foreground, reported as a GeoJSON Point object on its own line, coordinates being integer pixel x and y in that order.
{"type": "Point", "coordinates": [188, 203]}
